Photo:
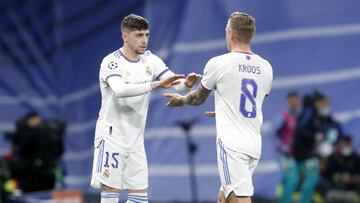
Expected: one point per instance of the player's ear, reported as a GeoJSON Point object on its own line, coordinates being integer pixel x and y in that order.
{"type": "Point", "coordinates": [124, 36]}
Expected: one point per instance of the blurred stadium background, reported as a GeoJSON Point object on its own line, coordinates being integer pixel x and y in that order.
{"type": "Point", "coordinates": [51, 52]}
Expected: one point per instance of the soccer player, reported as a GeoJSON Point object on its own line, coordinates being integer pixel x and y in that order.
{"type": "Point", "coordinates": [240, 80]}
{"type": "Point", "coordinates": [126, 78]}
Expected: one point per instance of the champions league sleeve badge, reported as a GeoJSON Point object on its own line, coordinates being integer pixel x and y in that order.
{"type": "Point", "coordinates": [112, 65]}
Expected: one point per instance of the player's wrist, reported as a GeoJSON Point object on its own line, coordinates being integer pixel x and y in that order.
{"type": "Point", "coordinates": [184, 100]}
{"type": "Point", "coordinates": [154, 85]}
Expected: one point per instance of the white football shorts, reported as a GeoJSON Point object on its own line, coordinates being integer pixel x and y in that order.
{"type": "Point", "coordinates": [117, 169]}
{"type": "Point", "coordinates": [235, 170]}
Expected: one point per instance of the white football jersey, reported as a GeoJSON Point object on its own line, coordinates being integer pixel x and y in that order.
{"type": "Point", "coordinates": [240, 82]}
{"type": "Point", "coordinates": [122, 120]}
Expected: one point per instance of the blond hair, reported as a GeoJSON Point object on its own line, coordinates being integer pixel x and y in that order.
{"type": "Point", "coordinates": [243, 25]}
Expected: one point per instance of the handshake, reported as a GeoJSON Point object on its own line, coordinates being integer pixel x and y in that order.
{"type": "Point", "coordinates": [175, 79]}
{"type": "Point", "coordinates": [195, 97]}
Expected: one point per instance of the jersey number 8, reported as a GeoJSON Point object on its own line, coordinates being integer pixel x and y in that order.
{"type": "Point", "coordinates": [248, 94]}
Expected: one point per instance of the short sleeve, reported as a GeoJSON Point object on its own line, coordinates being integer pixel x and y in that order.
{"type": "Point", "coordinates": [109, 68]}
{"type": "Point", "coordinates": [158, 66]}
{"type": "Point", "coordinates": [209, 76]}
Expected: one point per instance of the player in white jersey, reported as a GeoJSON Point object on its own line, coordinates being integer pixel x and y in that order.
{"type": "Point", "coordinates": [240, 80]}
{"type": "Point", "coordinates": [126, 78]}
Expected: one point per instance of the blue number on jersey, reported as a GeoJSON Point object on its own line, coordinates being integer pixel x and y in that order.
{"type": "Point", "coordinates": [115, 163]}
{"type": "Point", "coordinates": [247, 95]}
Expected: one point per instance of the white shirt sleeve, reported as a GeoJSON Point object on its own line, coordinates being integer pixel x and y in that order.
{"type": "Point", "coordinates": [111, 74]}
{"type": "Point", "coordinates": [181, 87]}
{"type": "Point", "coordinates": [109, 68]}
{"type": "Point", "coordinates": [209, 76]}
{"type": "Point", "coordinates": [122, 89]}
{"type": "Point", "coordinates": [162, 71]}
{"type": "Point", "coordinates": [270, 80]}
{"type": "Point", "coordinates": [158, 66]}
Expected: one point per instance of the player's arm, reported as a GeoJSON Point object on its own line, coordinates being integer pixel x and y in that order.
{"type": "Point", "coordinates": [123, 89]}
{"type": "Point", "coordinates": [194, 98]}
{"type": "Point", "coordinates": [185, 84]}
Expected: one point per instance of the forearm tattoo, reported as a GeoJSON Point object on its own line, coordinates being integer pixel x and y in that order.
{"type": "Point", "coordinates": [197, 97]}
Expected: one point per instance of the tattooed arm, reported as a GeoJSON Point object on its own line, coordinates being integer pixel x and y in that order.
{"type": "Point", "coordinates": [194, 98]}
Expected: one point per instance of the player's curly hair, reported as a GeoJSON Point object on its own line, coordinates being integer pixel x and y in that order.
{"type": "Point", "coordinates": [134, 22]}
{"type": "Point", "coordinates": [243, 25]}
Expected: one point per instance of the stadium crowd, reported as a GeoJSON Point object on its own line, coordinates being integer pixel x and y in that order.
{"type": "Point", "coordinates": [316, 156]}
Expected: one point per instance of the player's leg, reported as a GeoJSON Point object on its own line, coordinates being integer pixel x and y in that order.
{"type": "Point", "coordinates": [291, 179]}
{"type": "Point", "coordinates": [136, 177]}
{"type": "Point", "coordinates": [310, 169]}
{"type": "Point", "coordinates": [232, 198]}
{"type": "Point", "coordinates": [242, 194]}
{"type": "Point", "coordinates": [109, 194]}
{"type": "Point", "coordinates": [235, 171]}
{"type": "Point", "coordinates": [221, 196]}
{"type": "Point", "coordinates": [137, 196]}
{"type": "Point", "coordinates": [107, 172]}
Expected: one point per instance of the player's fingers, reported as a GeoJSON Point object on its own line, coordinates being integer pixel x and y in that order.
{"type": "Point", "coordinates": [175, 83]}
{"type": "Point", "coordinates": [168, 95]}
{"type": "Point", "coordinates": [177, 76]}
{"type": "Point", "coordinates": [195, 75]}
{"type": "Point", "coordinates": [191, 74]}
{"type": "Point", "coordinates": [209, 113]}
{"type": "Point", "coordinates": [171, 104]}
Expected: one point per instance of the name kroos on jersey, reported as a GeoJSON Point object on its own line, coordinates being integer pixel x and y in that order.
{"type": "Point", "coordinates": [249, 69]}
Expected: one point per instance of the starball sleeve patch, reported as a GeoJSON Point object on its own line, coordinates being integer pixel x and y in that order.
{"type": "Point", "coordinates": [112, 65]}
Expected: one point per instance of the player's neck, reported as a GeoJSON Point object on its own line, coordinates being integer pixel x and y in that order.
{"type": "Point", "coordinates": [241, 48]}
{"type": "Point", "coordinates": [129, 54]}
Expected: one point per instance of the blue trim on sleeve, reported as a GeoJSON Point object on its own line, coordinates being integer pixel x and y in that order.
{"type": "Point", "coordinates": [158, 76]}
{"type": "Point", "coordinates": [112, 76]}
{"type": "Point", "coordinates": [203, 86]}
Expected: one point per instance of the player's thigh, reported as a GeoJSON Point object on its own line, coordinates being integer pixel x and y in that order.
{"type": "Point", "coordinates": [242, 169]}
{"type": "Point", "coordinates": [221, 197]}
{"type": "Point", "coordinates": [106, 188]}
{"type": "Point", "coordinates": [108, 166]}
{"type": "Point", "coordinates": [136, 172]}
{"type": "Point", "coordinates": [232, 198]}
{"type": "Point", "coordinates": [235, 170]}
{"type": "Point", "coordinates": [223, 165]}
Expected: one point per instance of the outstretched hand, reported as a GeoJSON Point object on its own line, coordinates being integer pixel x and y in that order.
{"type": "Point", "coordinates": [167, 82]}
{"type": "Point", "coordinates": [175, 99]}
{"type": "Point", "coordinates": [191, 79]}
{"type": "Point", "coordinates": [209, 113]}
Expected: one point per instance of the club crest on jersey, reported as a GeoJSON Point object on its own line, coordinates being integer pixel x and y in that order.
{"type": "Point", "coordinates": [106, 173]}
{"type": "Point", "coordinates": [112, 65]}
{"type": "Point", "coordinates": [148, 71]}
{"type": "Point", "coordinates": [128, 73]}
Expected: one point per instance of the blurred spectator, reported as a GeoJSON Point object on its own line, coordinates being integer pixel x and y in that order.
{"type": "Point", "coordinates": [286, 125]}
{"type": "Point", "coordinates": [341, 173]}
{"type": "Point", "coordinates": [328, 130]}
{"type": "Point", "coordinates": [304, 168]}
{"type": "Point", "coordinates": [37, 147]}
